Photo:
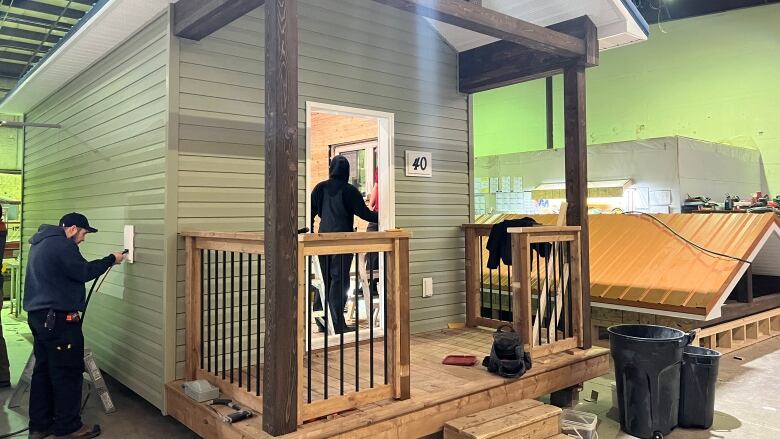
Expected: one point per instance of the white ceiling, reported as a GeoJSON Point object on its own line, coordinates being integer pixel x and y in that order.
{"type": "Point", "coordinates": [616, 26]}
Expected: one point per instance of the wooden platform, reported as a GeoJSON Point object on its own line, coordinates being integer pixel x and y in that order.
{"type": "Point", "coordinates": [439, 393]}
{"type": "Point", "coordinates": [740, 333]}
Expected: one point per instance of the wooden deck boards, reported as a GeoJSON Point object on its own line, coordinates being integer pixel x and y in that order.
{"type": "Point", "coordinates": [439, 392]}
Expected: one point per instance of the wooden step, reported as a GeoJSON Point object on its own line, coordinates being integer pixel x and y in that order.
{"type": "Point", "coordinates": [528, 419]}
{"type": "Point", "coordinates": [560, 436]}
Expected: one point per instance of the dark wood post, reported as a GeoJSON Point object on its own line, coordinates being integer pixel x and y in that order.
{"type": "Point", "coordinates": [280, 376]}
{"type": "Point", "coordinates": [576, 158]}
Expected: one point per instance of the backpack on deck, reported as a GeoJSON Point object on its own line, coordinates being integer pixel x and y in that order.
{"type": "Point", "coordinates": [507, 358]}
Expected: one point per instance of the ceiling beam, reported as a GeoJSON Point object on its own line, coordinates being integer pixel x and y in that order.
{"type": "Point", "coordinates": [197, 19]}
{"type": "Point", "coordinates": [44, 8]}
{"type": "Point", "coordinates": [17, 56]}
{"type": "Point", "coordinates": [11, 70]}
{"type": "Point", "coordinates": [41, 23]}
{"type": "Point", "coordinates": [28, 34]}
{"type": "Point", "coordinates": [492, 23]}
{"type": "Point", "coordinates": [19, 45]}
{"type": "Point", "coordinates": [503, 63]}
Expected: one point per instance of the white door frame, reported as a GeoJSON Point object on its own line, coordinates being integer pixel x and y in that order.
{"type": "Point", "coordinates": [385, 156]}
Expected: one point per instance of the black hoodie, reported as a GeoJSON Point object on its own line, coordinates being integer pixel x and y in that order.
{"type": "Point", "coordinates": [337, 202]}
{"type": "Point", "coordinates": [56, 272]}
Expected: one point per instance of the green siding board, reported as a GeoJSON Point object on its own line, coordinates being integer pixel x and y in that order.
{"type": "Point", "coordinates": [108, 162]}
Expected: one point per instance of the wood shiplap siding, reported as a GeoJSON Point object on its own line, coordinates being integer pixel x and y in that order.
{"type": "Point", "coordinates": [352, 53]}
{"type": "Point", "coordinates": [108, 162]}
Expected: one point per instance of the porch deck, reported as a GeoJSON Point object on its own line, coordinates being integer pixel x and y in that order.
{"type": "Point", "coordinates": [438, 392]}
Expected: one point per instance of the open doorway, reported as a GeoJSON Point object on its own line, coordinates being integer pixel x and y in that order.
{"type": "Point", "coordinates": [365, 139]}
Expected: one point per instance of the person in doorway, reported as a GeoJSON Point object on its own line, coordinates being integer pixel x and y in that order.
{"type": "Point", "coordinates": [5, 368]}
{"type": "Point", "coordinates": [337, 203]}
{"type": "Point", "coordinates": [54, 294]}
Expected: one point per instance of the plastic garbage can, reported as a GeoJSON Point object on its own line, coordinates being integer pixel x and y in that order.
{"type": "Point", "coordinates": [647, 361]}
{"type": "Point", "coordinates": [698, 377]}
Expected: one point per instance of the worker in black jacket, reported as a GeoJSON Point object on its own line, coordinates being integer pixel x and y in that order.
{"type": "Point", "coordinates": [337, 202]}
{"type": "Point", "coordinates": [54, 294]}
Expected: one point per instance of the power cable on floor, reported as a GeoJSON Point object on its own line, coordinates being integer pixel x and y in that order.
{"type": "Point", "coordinates": [693, 244]}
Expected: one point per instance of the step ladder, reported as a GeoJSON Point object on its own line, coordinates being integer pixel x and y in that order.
{"type": "Point", "coordinates": [94, 380]}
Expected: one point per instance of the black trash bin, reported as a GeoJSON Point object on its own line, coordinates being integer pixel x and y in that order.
{"type": "Point", "coordinates": [647, 373]}
{"type": "Point", "coordinates": [698, 378]}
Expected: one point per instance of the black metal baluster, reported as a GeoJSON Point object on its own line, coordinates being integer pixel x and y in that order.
{"type": "Point", "coordinates": [325, 310]}
{"type": "Point", "coordinates": [340, 310]}
{"type": "Point", "coordinates": [257, 339]}
{"type": "Point", "coordinates": [224, 310]}
{"type": "Point", "coordinates": [371, 322]}
{"type": "Point", "coordinates": [241, 317]}
{"type": "Point", "coordinates": [555, 289]}
{"type": "Point", "coordinates": [357, 325]}
{"type": "Point", "coordinates": [481, 282]}
{"type": "Point", "coordinates": [384, 308]}
{"type": "Point", "coordinates": [216, 313]}
{"type": "Point", "coordinates": [202, 310]}
{"type": "Point", "coordinates": [249, 326]}
{"type": "Point", "coordinates": [569, 304]}
{"type": "Point", "coordinates": [232, 310]}
{"type": "Point", "coordinates": [308, 322]}
{"type": "Point", "coordinates": [208, 310]}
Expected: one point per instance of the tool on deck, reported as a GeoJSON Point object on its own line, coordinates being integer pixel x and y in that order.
{"type": "Point", "coordinates": [230, 418]}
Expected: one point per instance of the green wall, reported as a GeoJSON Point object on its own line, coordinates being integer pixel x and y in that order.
{"type": "Point", "coordinates": [715, 78]}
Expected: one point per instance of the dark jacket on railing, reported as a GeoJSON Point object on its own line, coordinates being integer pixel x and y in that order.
{"type": "Point", "coordinates": [337, 202]}
{"type": "Point", "coordinates": [499, 244]}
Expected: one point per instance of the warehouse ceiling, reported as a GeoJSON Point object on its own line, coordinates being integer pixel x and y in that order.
{"type": "Point", "coordinates": [655, 11]}
{"type": "Point", "coordinates": [29, 29]}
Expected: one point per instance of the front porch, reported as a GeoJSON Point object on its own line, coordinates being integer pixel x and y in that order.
{"type": "Point", "coordinates": [438, 392]}
{"type": "Point", "coordinates": [375, 378]}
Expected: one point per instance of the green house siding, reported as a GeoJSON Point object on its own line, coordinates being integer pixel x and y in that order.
{"type": "Point", "coordinates": [713, 78]}
{"type": "Point", "coordinates": [108, 162]}
{"type": "Point", "coordinates": [352, 53]}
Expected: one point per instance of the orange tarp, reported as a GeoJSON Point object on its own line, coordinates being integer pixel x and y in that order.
{"type": "Point", "coordinates": [634, 261]}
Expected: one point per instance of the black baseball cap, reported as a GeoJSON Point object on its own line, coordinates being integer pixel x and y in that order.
{"type": "Point", "coordinates": [78, 220]}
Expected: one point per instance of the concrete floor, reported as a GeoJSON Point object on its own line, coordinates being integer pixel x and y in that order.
{"type": "Point", "coordinates": [746, 405]}
{"type": "Point", "coordinates": [134, 419]}
{"type": "Point", "coordinates": [747, 399]}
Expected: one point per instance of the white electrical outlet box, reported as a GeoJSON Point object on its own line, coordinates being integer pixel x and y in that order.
{"type": "Point", "coordinates": [427, 286]}
{"type": "Point", "coordinates": [129, 244]}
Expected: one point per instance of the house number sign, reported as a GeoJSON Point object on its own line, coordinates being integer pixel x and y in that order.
{"type": "Point", "coordinates": [418, 164]}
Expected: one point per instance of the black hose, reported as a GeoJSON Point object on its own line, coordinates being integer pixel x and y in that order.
{"type": "Point", "coordinates": [693, 244]}
{"type": "Point", "coordinates": [14, 433]}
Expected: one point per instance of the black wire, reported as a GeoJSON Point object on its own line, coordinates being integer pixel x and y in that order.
{"type": "Point", "coordinates": [697, 246]}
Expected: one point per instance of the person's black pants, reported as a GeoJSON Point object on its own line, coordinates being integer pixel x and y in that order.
{"type": "Point", "coordinates": [335, 270]}
{"type": "Point", "coordinates": [55, 394]}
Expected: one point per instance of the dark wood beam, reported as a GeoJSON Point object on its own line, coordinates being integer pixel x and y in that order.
{"type": "Point", "coordinates": [197, 19]}
{"type": "Point", "coordinates": [280, 378]}
{"type": "Point", "coordinates": [576, 164]}
{"type": "Point", "coordinates": [549, 113]}
{"type": "Point", "coordinates": [504, 63]}
{"type": "Point", "coordinates": [743, 291]}
{"type": "Point", "coordinates": [495, 24]}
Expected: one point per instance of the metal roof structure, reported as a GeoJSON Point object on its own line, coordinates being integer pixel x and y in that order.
{"type": "Point", "coordinates": [29, 29]}
{"type": "Point", "coordinates": [636, 264]}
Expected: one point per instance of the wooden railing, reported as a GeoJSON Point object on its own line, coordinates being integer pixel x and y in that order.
{"type": "Point", "coordinates": [540, 293]}
{"type": "Point", "coordinates": [337, 369]}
